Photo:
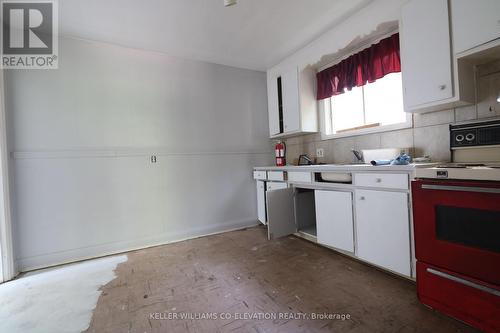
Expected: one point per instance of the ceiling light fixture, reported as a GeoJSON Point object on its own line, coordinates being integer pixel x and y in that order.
{"type": "Point", "coordinates": [228, 3]}
{"type": "Point", "coordinates": [498, 97]}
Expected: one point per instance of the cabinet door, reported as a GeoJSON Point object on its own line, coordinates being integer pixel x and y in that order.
{"type": "Point", "coordinates": [382, 229]}
{"type": "Point", "coordinates": [425, 52]}
{"type": "Point", "coordinates": [280, 213]}
{"type": "Point", "coordinates": [334, 222]}
{"type": "Point", "coordinates": [261, 201]}
{"type": "Point", "coordinates": [272, 106]}
{"type": "Point", "coordinates": [271, 186]}
{"type": "Point", "coordinates": [291, 110]}
{"type": "Point", "coordinates": [474, 23]}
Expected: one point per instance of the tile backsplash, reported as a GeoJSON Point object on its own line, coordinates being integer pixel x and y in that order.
{"type": "Point", "coordinates": [428, 136]}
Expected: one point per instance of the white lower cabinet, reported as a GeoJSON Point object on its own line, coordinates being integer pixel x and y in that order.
{"type": "Point", "coordinates": [383, 229]}
{"type": "Point", "coordinates": [334, 220]}
{"type": "Point", "coordinates": [370, 224]}
{"type": "Point", "coordinates": [261, 201]}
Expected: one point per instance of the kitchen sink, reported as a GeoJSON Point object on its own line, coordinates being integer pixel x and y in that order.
{"type": "Point", "coordinates": [348, 164]}
{"type": "Point", "coordinates": [336, 177]}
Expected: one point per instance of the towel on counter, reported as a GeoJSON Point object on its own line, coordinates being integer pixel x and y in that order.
{"type": "Point", "coordinates": [402, 159]}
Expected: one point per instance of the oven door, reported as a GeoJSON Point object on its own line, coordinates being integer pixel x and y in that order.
{"type": "Point", "coordinates": [457, 227]}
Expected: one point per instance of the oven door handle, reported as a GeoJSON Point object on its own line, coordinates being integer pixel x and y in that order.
{"type": "Point", "coordinates": [464, 282]}
{"type": "Point", "coordinates": [461, 188]}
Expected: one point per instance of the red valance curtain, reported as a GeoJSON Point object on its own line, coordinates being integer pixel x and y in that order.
{"type": "Point", "coordinates": [368, 65]}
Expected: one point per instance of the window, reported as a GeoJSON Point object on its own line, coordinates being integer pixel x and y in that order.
{"type": "Point", "coordinates": [373, 107]}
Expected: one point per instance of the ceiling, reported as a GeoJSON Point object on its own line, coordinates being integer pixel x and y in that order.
{"type": "Point", "coordinates": [254, 34]}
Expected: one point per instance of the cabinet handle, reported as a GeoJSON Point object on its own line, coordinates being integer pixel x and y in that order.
{"type": "Point", "coordinates": [463, 281]}
{"type": "Point", "coordinates": [461, 188]}
{"type": "Point", "coordinates": [361, 198]}
{"type": "Point", "coordinates": [378, 180]}
{"type": "Point", "coordinates": [442, 87]}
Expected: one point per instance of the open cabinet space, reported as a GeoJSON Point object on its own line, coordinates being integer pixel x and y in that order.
{"type": "Point", "coordinates": [291, 210]}
{"type": "Point", "coordinates": [305, 213]}
{"type": "Point", "coordinates": [351, 218]}
{"type": "Point", "coordinates": [322, 216]}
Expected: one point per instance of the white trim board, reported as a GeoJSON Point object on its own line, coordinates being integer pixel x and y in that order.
{"type": "Point", "coordinates": [124, 152]}
{"type": "Point", "coordinates": [65, 257]}
{"type": "Point", "coordinates": [7, 268]}
{"type": "Point", "coordinates": [1, 265]}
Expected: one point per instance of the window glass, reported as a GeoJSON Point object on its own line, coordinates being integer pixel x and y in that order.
{"type": "Point", "coordinates": [347, 109]}
{"type": "Point", "coordinates": [375, 104]}
{"type": "Point", "coordinates": [384, 100]}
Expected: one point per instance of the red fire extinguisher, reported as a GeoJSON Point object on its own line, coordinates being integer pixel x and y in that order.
{"type": "Point", "coordinates": [280, 151]}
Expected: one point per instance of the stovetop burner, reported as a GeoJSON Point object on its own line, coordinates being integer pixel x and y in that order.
{"type": "Point", "coordinates": [475, 152]}
{"type": "Point", "coordinates": [464, 171]}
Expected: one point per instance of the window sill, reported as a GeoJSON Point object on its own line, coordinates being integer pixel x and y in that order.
{"type": "Point", "coordinates": [371, 130]}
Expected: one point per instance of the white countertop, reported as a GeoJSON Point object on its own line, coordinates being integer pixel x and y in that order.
{"type": "Point", "coordinates": [346, 167]}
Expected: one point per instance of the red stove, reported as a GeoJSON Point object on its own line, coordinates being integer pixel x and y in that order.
{"type": "Point", "coordinates": [456, 211]}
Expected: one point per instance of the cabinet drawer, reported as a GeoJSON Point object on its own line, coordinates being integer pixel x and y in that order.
{"type": "Point", "coordinates": [381, 180]}
{"type": "Point", "coordinates": [478, 303]}
{"type": "Point", "coordinates": [300, 176]}
{"type": "Point", "coordinates": [271, 186]}
{"type": "Point", "coordinates": [276, 175]}
{"type": "Point", "coordinates": [260, 175]}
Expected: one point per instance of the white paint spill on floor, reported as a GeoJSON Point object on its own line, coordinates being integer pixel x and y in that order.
{"type": "Point", "coordinates": [56, 300]}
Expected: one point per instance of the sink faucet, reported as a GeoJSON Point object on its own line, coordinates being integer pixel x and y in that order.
{"type": "Point", "coordinates": [358, 154]}
{"type": "Point", "coordinates": [305, 158]}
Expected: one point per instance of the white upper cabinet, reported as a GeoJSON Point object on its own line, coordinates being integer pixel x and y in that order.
{"type": "Point", "coordinates": [290, 95]}
{"type": "Point", "coordinates": [291, 102]}
{"type": "Point", "coordinates": [272, 106]}
{"type": "Point", "coordinates": [425, 52]}
{"type": "Point", "coordinates": [432, 78]}
{"type": "Point", "coordinates": [474, 22]}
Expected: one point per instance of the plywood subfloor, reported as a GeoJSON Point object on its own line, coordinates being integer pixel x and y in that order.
{"type": "Point", "coordinates": [59, 299]}
{"type": "Point", "coordinates": [242, 273]}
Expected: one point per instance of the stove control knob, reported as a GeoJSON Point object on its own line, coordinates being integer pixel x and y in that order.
{"type": "Point", "coordinates": [459, 138]}
{"type": "Point", "coordinates": [470, 137]}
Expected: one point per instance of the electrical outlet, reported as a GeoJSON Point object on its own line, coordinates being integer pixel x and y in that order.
{"type": "Point", "coordinates": [153, 158]}
{"type": "Point", "coordinates": [320, 152]}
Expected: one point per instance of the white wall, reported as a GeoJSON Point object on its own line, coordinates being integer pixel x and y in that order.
{"type": "Point", "coordinates": [81, 138]}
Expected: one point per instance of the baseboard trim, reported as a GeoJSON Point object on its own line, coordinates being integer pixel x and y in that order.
{"type": "Point", "coordinates": [65, 257]}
